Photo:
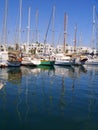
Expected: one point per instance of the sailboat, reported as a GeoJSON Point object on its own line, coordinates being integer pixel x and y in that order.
{"type": "Point", "coordinates": [79, 59]}
{"type": "Point", "coordinates": [45, 59]}
{"type": "Point", "coordinates": [62, 59]}
{"type": "Point", "coordinates": [14, 59]}
{"type": "Point", "coordinates": [25, 57]}
{"type": "Point", "coordinates": [93, 59]}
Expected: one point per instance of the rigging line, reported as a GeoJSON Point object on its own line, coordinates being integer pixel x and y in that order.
{"type": "Point", "coordinates": [47, 28]}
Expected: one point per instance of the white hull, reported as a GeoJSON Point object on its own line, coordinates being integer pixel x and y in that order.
{"type": "Point", "coordinates": [36, 61]}
{"type": "Point", "coordinates": [3, 58]}
{"type": "Point", "coordinates": [63, 60]}
{"type": "Point", "coordinates": [27, 61]}
{"type": "Point", "coordinates": [91, 63]}
{"type": "Point", "coordinates": [63, 63]}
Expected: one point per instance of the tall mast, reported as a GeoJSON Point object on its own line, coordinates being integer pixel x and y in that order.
{"type": "Point", "coordinates": [20, 14]}
{"type": "Point", "coordinates": [96, 31]}
{"type": "Point", "coordinates": [93, 32]}
{"type": "Point", "coordinates": [4, 31]}
{"type": "Point", "coordinates": [65, 32]}
{"type": "Point", "coordinates": [75, 29]}
{"type": "Point", "coordinates": [37, 26]}
{"type": "Point", "coordinates": [47, 34]}
{"type": "Point", "coordinates": [53, 15]}
{"type": "Point", "coordinates": [28, 29]}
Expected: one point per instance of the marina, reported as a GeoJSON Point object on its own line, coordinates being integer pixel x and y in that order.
{"type": "Point", "coordinates": [48, 65]}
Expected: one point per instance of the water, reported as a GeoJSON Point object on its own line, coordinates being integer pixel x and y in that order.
{"type": "Point", "coordinates": [60, 98]}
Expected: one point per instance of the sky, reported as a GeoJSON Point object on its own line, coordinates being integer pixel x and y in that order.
{"type": "Point", "coordinates": [79, 12]}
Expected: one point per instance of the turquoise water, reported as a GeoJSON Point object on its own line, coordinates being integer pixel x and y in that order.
{"type": "Point", "coordinates": [59, 98]}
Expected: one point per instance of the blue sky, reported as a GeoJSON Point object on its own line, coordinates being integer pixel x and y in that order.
{"type": "Point", "coordinates": [79, 12]}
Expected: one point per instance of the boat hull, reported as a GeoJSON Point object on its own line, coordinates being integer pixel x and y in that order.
{"type": "Point", "coordinates": [40, 62]}
{"type": "Point", "coordinates": [27, 63]}
{"type": "Point", "coordinates": [47, 63]}
{"type": "Point", "coordinates": [63, 63]}
{"type": "Point", "coordinates": [91, 63]}
{"type": "Point", "coordinates": [14, 63]}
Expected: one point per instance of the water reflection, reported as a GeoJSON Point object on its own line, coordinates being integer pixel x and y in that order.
{"type": "Point", "coordinates": [70, 71]}
{"type": "Point", "coordinates": [42, 94]}
{"type": "Point", "coordinates": [14, 75]}
{"type": "Point", "coordinates": [1, 84]}
{"type": "Point", "coordinates": [37, 70]}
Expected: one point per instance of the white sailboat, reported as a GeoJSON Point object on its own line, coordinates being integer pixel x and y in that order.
{"type": "Point", "coordinates": [26, 58]}
{"type": "Point", "coordinates": [93, 59]}
{"type": "Point", "coordinates": [45, 59]}
{"type": "Point", "coordinates": [28, 61]}
{"type": "Point", "coordinates": [62, 59]}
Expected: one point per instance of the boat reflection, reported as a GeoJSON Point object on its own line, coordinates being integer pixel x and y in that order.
{"type": "Point", "coordinates": [70, 71]}
{"type": "Point", "coordinates": [14, 75]}
{"type": "Point", "coordinates": [1, 84]}
{"type": "Point", "coordinates": [37, 70]}
{"type": "Point", "coordinates": [91, 68]}
{"type": "Point", "coordinates": [46, 91]}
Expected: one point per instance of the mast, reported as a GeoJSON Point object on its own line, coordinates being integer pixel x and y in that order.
{"type": "Point", "coordinates": [75, 29]}
{"type": "Point", "coordinates": [80, 40]}
{"type": "Point", "coordinates": [28, 29]}
{"type": "Point", "coordinates": [96, 31]}
{"type": "Point", "coordinates": [65, 32]}
{"type": "Point", "coordinates": [4, 30]}
{"type": "Point", "coordinates": [53, 15]}
{"type": "Point", "coordinates": [47, 34]}
{"type": "Point", "coordinates": [20, 14]}
{"type": "Point", "coordinates": [93, 31]}
{"type": "Point", "coordinates": [37, 26]}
